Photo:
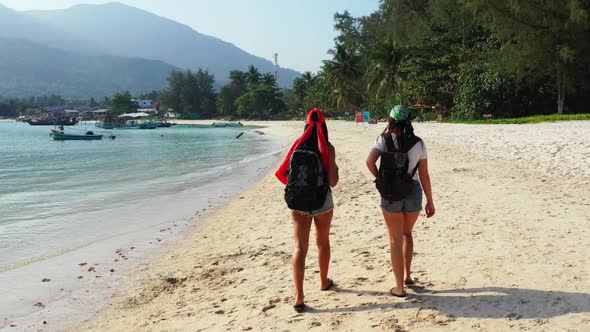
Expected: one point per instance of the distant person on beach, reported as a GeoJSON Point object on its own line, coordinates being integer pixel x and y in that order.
{"type": "Point", "coordinates": [402, 174]}
{"type": "Point", "coordinates": [309, 171]}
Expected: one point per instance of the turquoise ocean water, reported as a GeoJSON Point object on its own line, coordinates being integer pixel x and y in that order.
{"type": "Point", "coordinates": [57, 196]}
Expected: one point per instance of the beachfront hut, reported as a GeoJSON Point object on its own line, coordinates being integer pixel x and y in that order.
{"type": "Point", "coordinates": [95, 115]}
{"type": "Point", "coordinates": [422, 111]}
{"type": "Point", "coordinates": [442, 112]}
{"type": "Point", "coordinates": [429, 113]}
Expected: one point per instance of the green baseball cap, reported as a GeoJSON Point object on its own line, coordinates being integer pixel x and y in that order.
{"type": "Point", "coordinates": [400, 112]}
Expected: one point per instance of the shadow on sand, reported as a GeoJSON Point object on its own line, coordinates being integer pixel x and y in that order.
{"type": "Point", "coordinates": [486, 302]}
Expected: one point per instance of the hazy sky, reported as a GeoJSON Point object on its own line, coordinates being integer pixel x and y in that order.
{"type": "Point", "coordinates": [301, 31]}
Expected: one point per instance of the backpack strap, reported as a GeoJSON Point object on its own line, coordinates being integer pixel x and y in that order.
{"type": "Point", "coordinates": [409, 145]}
{"type": "Point", "coordinates": [418, 163]}
{"type": "Point", "coordinates": [415, 169]}
{"type": "Point", "coordinates": [389, 142]}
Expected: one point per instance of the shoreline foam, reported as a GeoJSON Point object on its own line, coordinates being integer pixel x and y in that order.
{"type": "Point", "coordinates": [27, 301]}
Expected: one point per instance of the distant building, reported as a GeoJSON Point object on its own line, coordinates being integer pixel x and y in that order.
{"type": "Point", "coordinates": [144, 103]}
{"type": "Point", "coordinates": [94, 114]}
{"type": "Point", "coordinates": [84, 108]}
{"type": "Point", "coordinates": [56, 109]}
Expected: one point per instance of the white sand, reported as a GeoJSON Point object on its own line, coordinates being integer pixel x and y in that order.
{"type": "Point", "coordinates": [508, 248]}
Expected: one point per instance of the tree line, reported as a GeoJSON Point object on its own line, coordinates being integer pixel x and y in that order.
{"type": "Point", "coordinates": [248, 94]}
{"type": "Point", "coordinates": [472, 57]}
{"type": "Point", "coordinates": [11, 107]}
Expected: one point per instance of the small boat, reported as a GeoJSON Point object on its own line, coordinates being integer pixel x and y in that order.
{"type": "Point", "coordinates": [148, 125]}
{"type": "Point", "coordinates": [130, 124]}
{"type": "Point", "coordinates": [227, 124]}
{"type": "Point", "coordinates": [52, 122]}
{"type": "Point", "coordinates": [60, 136]}
{"type": "Point", "coordinates": [165, 124]}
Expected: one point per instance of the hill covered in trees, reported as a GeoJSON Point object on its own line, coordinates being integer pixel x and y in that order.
{"type": "Point", "coordinates": [29, 69]}
{"type": "Point", "coordinates": [113, 35]}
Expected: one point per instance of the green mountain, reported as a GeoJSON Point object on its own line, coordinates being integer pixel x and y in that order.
{"type": "Point", "coordinates": [20, 25]}
{"type": "Point", "coordinates": [116, 30]}
{"type": "Point", "coordinates": [30, 69]}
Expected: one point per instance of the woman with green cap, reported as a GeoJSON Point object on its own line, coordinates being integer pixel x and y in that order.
{"type": "Point", "coordinates": [400, 179]}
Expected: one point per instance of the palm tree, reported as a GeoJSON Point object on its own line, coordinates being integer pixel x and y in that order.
{"type": "Point", "coordinates": [238, 79]}
{"type": "Point", "coordinates": [253, 76]}
{"type": "Point", "coordinates": [300, 88]}
{"type": "Point", "coordinates": [344, 74]}
{"type": "Point", "coordinates": [268, 79]}
{"type": "Point", "coordinates": [385, 60]}
{"type": "Point", "coordinates": [309, 78]}
{"type": "Point", "coordinates": [320, 93]}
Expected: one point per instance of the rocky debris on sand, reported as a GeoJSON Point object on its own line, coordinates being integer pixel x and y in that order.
{"type": "Point", "coordinates": [268, 307]}
{"type": "Point", "coordinates": [171, 280]}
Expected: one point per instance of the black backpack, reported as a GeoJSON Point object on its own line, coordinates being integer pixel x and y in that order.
{"type": "Point", "coordinates": [394, 183]}
{"type": "Point", "coordinates": [307, 185]}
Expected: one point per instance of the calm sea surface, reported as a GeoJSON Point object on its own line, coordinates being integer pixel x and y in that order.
{"type": "Point", "coordinates": [55, 196]}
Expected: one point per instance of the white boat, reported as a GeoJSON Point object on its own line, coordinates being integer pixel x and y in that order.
{"type": "Point", "coordinates": [128, 124]}
{"type": "Point", "coordinates": [227, 124]}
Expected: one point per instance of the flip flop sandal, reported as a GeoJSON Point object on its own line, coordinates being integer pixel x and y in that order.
{"type": "Point", "coordinates": [330, 285]}
{"type": "Point", "coordinates": [397, 295]}
{"type": "Point", "coordinates": [410, 282]}
{"type": "Point", "coordinates": [299, 307]}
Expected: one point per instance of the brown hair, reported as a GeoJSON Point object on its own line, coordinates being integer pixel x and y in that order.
{"type": "Point", "coordinates": [393, 126]}
{"type": "Point", "coordinates": [403, 130]}
{"type": "Point", "coordinates": [313, 139]}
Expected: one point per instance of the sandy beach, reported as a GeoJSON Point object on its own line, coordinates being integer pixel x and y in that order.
{"type": "Point", "coordinates": [507, 249]}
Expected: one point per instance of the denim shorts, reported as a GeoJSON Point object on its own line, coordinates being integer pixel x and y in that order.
{"type": "Point", "coordinates": [328, 205]}
{"type": "Point", "coordinates": [412, 202]}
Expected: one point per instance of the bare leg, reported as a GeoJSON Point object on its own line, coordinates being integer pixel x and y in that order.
{"type": "Point", "coordinates": [409, 222]}
{"type": "Point", "coordinates": [322, 227]}
{"type": "Point", "coordinates": [395, 228]}
{"type": "Point", "coordinates": [301, 227]}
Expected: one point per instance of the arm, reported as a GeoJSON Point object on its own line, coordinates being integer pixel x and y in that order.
{"type": "Point", "coordinates": [425, 180]}
{"type": "Point", "coordinates": [333, 176]}
{"type": "Point", "coordinates": [372, 160]}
